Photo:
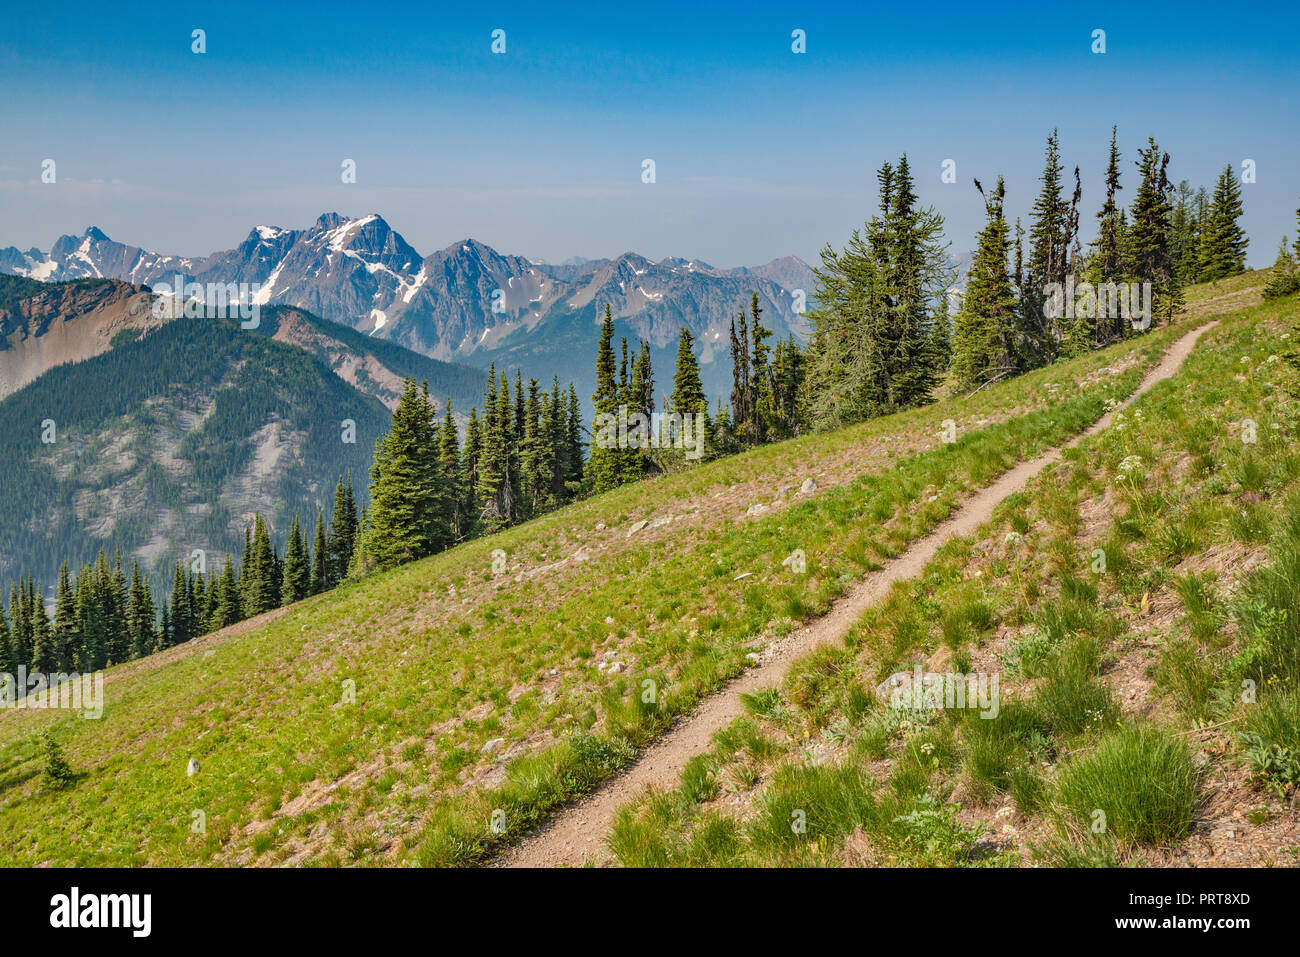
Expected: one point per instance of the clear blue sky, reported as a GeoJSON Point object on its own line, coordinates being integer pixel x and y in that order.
{"type": "Point", "coordinates": [760, 152]}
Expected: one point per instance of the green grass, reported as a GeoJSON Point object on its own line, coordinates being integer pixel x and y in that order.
{"type": "Point", "coordinates": [1140, 786]}
{"type": "Point", "coordinates": [1061, 748]}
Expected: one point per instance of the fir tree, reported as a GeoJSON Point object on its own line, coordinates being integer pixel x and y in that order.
{"type": "Point", "coordinates": [603, 465]}
{"type": "Point", "coordinates": [1223, 241]}
{"type": "Point", "coordinates": [1148, 240]}
{"type": "Point", "coordinates": [404, 487]}
{"type": "Point", "coordinates": [297, 567]}
{"type": "Point", "coordinates": [984, 331]}
{"type": "Point", "coordinates": [321, 558]}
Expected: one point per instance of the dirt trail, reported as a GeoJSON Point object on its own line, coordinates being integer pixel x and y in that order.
{"type": "Point", "coordinates": [577, 834]}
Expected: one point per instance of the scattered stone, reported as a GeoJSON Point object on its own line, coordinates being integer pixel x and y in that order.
{"type": "Point", "coordinates": [756, 509]}
{"type": "Point", "coordinates": [553, 671]}
{"type": "Point", "coordinates": [661, 521]}
{"type": "Point", "coordinates": [616, 667]}
{"type": "Point", "coordinates": [609, 620]}
{"type": "Point", "coordinates": [581, 555]}
{"type": "Point", "coordinates": [784, 490]}
{"type": "Point", "coordinates": [742, 575]}
{"type": "Point", "coordinates": [491, 746]}
{"type": "Point", "coordinates": [636, 527]}
{"type": "Point", "coordinates": [754, 656]}
{"type": "Point", "coordinates": [600, 526]}
{"type": "Point", "coordinates": [192, 769]}
{"type": "Point", "coordinates": [809, 486]}
{"type": "Point", "coordinates": [901, 679]}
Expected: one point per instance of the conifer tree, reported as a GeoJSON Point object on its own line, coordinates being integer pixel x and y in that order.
{"type": "Point", "coordinates": [67, 633]}
{"type": "Point", "coordinates": [573, 442]}
{"type": "Point", "coordinates": [404, 487]}
{"type": "Point", "coordinates": [297, 567]}
{"type": "Point", "coordinates": [7, 664]}
{"type": "Point", "coordinates": [343, 531]}
{"type": "Point", "coordinates": [45, 651]}
{"type": "Point", "coordinates": [688, 389]}
{"type": "Point", "coordinates": [180, 607]}
{"type": "Point", "coordinates": [139, 614]}
{"type": "Point", "coordinates": [603, 464]}
{"type": "Point", "coordinates": [1148, 240]}
{"type": "Point", "coordinates": [1223, 241]}
{"type": "Point", "coordinates": [984, 330]}
{"type": "Point", "coordinates": [449, 465]}
{"type": "Point", "coordinates": [321, 559]}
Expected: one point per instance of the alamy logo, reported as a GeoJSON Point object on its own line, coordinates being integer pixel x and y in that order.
{"type": "Point", "coordinates": [1105, 300]}
{"type": "Point", "coordinates": [658, 430]}
{"type": "Point", "coordinates": [924, 691]}
{"type": "Point", "coordinates": [36, 690]}
{"type": "Point", "coordinates": [102, 910]}
{"type": "Point", "coordinates": [214, 300]}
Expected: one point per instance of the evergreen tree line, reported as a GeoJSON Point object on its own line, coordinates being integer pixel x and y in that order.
{"type": "Point", "coordinates": [522, 455]}
{"type": "Point", "coordinates": [767, 400]}
{"type": "Point", "coordinates": [1169, 237]}
{"type": "Point", "coordinates": [101, 618]}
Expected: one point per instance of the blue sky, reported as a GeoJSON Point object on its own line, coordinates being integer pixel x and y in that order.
{"type": "Point", "coordinates": [759, 152]}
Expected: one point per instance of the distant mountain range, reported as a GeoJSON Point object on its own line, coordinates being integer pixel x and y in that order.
{"type": "Point", "coordinates": [468, 302]}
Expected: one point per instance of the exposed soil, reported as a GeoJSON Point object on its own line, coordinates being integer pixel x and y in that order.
{"type": "Point", "coordinates": [576, 836]}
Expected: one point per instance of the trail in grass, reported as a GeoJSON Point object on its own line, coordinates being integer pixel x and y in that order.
{"type": "Point", "coordinates": [576, 835]}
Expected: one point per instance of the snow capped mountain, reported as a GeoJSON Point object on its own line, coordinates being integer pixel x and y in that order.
{"type": "Point", "coordinates": [467, 301]}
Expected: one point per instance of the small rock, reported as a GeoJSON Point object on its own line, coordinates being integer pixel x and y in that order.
{"type": "Point", "coordinates": [809, 486]}
{"type": "Point", "coordinates": [615, 668]}
{"type": "Point", "coordinates": [636, 527]}
{"type": "Point", "coordinates": [742, 575]}
{"type": "Point", "coordinates": [491, 746]}
{"type": "Point", "coordinates": [661, 521]}
{"type": "Point", "coordinates": [900, 679]}
{"type": "Point", "coordinates": [553, 671]}
{"type": "Point", "coordinates": [756, 509]}
{"type": "Point", "coordinates": [753, 656]}
{"type": "Point", "coordinates": [609, 619]}
{"type": "Point", "coordinates": [784, 490]}
{"type": "Point", "coordinates": [192, 769]}
{"type": "Point", "coordinates": [600, 526]}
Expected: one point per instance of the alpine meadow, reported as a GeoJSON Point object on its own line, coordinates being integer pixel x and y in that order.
{"type": "Point", "coordinates": [954, 523]}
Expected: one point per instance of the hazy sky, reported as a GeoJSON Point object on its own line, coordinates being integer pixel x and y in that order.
{"type": "Point", "coordinates": [759, 151]}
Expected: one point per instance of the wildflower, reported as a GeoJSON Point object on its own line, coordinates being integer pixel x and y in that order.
{"type": "Point", "coordinates": [1130, 464]}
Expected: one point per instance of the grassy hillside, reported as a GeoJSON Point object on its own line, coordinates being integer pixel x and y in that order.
{"type": "Point", "coordinates": [1139, 601]}
{"type": "Point", "coordinates": [479, 691]}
